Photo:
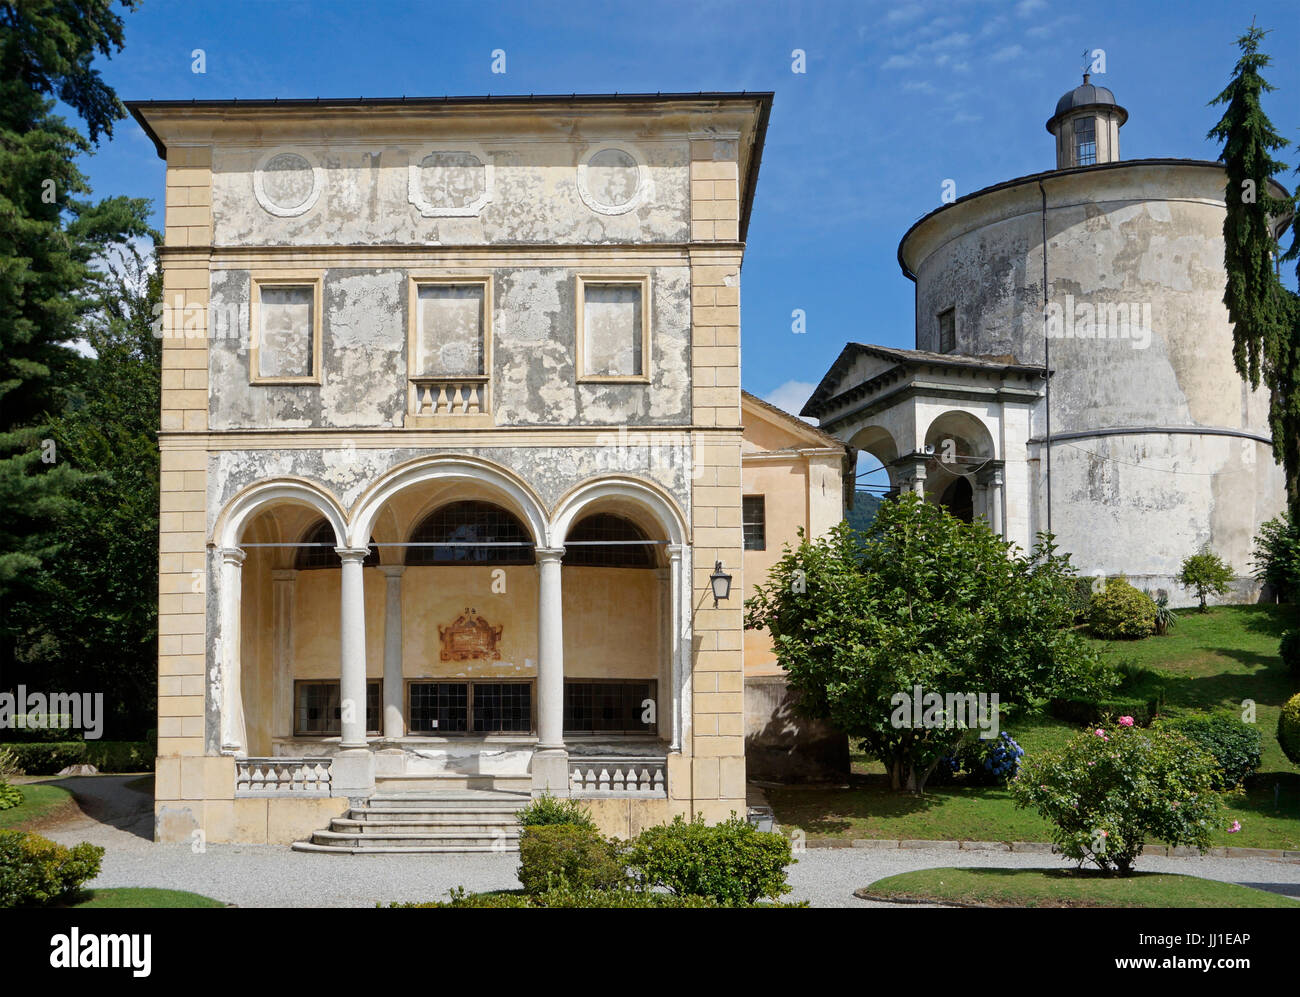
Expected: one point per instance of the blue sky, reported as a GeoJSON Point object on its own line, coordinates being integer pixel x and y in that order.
{"type": "Point", "coordinates": [896, 98]}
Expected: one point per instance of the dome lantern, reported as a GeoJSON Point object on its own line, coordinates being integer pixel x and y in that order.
{"type": "Point", "coordinates": [1086, 126]}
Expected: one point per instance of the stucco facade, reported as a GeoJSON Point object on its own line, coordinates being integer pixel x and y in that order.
{"type": "Point", "coordinates": [382, 315]}
{"type": "Point", "coordinates": [1110, 276]}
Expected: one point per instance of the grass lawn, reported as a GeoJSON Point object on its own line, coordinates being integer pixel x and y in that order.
{"type": "Point", "coordinates": [140, 896]}
{"type": "Point", "coordinates": [1070, 888]}
{"type": "Point", "coordinates": [39, 800]}
{"type": "Point", "coordinates": [1212, 661]}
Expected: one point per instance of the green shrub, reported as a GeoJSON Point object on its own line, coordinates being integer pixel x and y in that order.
{"type": "Point", "coordinates": [1108, 790]}
{"type": "Point", "coordinates": [107, 756]}
{"type": "Point", "coordinates": [1079, 597]}
{"type": "Point", "coordinates": [1235, 745]}
{"type": "Point", "coordinates": [10, 796]}
{"type": "Point", "coordinates": [729, 862]}
{"type": "Point", "coordinates": [1206, 573]}
{"type": "Point", "coordinates": [551, 855]}
{"type": "Point", "coordinates": [1290, 651]}
{"type": "Point", "coordinates": [42, 727]}
{"type": "Point", "coordinates": [570, 897]}
{"type": "Point", "coordinates": [34, 871]}
{"type": "Point", "coordinates": [547, 809]}
{"type": "Point", "coordinates": [9, 763]}
{"type": "Point", "coordinates": [1288, 729]}
{"type": "Point", "coordinates": [1276, 557]}
{"type": "Point", "coordinates": [1121, 612]}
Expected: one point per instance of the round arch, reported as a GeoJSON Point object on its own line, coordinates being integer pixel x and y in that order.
{"type": "Point", "coordinates": [621, 491]}
{"type": "Point", "coordinates": [970, 434]}
{"type": "Point", "coordinates": [511, 490]}
{"type": "Point", "coordinates": [256, 498]}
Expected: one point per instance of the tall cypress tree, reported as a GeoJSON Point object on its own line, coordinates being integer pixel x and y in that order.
{"type": "Point", "coordinates": [1261, 310]}
{"type": "Point", "coordinates": [50, 238]}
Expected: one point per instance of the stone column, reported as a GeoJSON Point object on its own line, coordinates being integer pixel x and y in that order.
{"type": "Point", "coordinates": [283, 583]}
{"type": "Point", "coordinates": [394, 721]}
{"type": "Point", "coordinates": [234, 739]}
{"type": "Point", "coordinates": [912, 475]}
{"type": "Point", "coordinates": [550, 760]}
{"type": "Point", "coordinates": [352, 648]}
{"type": "Point", "coordinates": [675, 644]}
{"type": "Point", "coordinates": [992, 481]}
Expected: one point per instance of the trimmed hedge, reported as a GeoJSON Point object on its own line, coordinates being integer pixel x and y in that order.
{"type": "Point", "coordinates": [1121, 612]}
{"type": "Point", "coordinates": [555, 855]}
{"type": "Point", "coordinates": [1235, 745]}
{"type": "Point", "coordinates": [44, 758]}
{"type": "Point", "coordinates": [1089, 714]}
{"type": "Point", "coordinates": [1290, 651]}
{"type": "Point", "coordinates": [731, 862]}
{"type": "Point", "coordinates": [569, 897]}
{"type": "Point", "coordinates": [34, 871]}
{"type": "Point", "coordinates": [548, 809]}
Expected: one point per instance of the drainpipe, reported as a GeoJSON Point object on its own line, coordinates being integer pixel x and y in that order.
{"type": "Point", "coordinates": [1047, 362]}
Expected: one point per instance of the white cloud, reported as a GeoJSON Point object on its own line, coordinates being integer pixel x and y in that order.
{"type": "Point", "coordinates": [900, 62]}
{"type": "Point", "coordinates": [1007, 53]}
{"type": "Point", "coordinates": [791, 396]}
{"type": "Point", "coordinates": [1026, 7]}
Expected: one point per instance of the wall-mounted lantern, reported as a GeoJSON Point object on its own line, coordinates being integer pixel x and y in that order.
{"type": "Point", "coordinates": [721, 582]}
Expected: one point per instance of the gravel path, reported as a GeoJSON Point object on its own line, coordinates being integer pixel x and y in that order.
{"type": "Point", "coordinates": [121, 820]}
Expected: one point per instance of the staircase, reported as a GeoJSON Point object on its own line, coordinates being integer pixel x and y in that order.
{"type": "Point", "coordinates": [424, 822]}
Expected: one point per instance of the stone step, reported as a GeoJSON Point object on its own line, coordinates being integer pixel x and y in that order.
{"type": "Point", "coordinates": [493, 815]}
{"type": "Point", "coordinates": [370, 849]}
{"type": "Point", "coordinates": [419, 839]}
{"type": "Point", "coordinates": [487, 828]}
{"type": "Point", "coordinates": [440, 781]}
{"type": "Point", "coordinates": [449, 800]}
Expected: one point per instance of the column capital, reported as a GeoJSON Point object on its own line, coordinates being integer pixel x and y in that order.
{"type": "Point", "coordinates": [352, 554]}
{"type": "Point", "coordinates": [393, 570]}
{"type": "Point", "coordinates": [232, 555]}
{"type": "Point", "coordinates": [675, 551]}
{"type": "Point", "coordinates": [548, 553]}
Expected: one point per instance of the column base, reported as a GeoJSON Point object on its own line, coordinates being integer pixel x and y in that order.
{"type": "Point", "coordinates": [352, 773]}
{"type": "Point", "coordinates": [550, 771]}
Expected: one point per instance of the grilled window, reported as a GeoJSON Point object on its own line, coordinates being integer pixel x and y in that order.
{"type": "Point", "coordinates": [1085, 141]}
{"type": "Point", "coordinates": [947, 331]}
{"type": "Point", "coordinates": [316, 710]}
{"type": "Point", "coordinates": [321, 553]}
{"type": "Point", "coordinates": [622, 544]}
{"type": "Point", "coordinates": [753, 518]}
{"type": "Point", "coordinates": [471, 524]}
{"type": "Point", "coordinates": [609, 707]}
{"type": "Point", "coordinates": [470, 707]}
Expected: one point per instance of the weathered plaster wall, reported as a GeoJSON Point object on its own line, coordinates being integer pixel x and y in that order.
{"type": "Point", "coordinates": [1146, 234]}
{"type": "Point", "coordinates": [364, 196]}
{"type": "Point", "coordinates": [363, 376]}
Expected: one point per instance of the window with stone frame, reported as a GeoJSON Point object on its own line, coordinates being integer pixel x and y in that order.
{"type": "Point", "coordinates": [947, 330]}
{"type": "Point", "coordinates": [614, 329]}
{"type": "Point", "coordinates": [287, 348]}
{"type": "Point", "coordinates": [460, 707]}
{"type": "Point", "coordinates": [449, 340]}
{"type": "Point", "coordinates": [753, 520]}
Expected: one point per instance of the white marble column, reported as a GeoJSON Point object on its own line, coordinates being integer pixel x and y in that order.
{"type": "Point", "coordinates": [394, 725]}
{"type": "Point", "coordinates": [233, 735]}
{"type": "Point", "coordinates": [283, 584]}
{"type": "Point", "coordinates": [995, 501]}
{"type": "Point", "coordinates": [352, 648]}
{"type": "Point", "coordinates": [550, 760]}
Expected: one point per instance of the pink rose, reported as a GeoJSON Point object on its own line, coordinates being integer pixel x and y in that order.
{"type": "Point", "coordinates": [1100, 733]}
{"type": "Point", "coordinates": [1236, 826]}
{"type": "Point", "coordinates": [1126, 721]}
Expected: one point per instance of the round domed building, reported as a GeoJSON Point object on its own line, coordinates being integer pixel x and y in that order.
{"type": "Point", "coordinates": [1143, 443]}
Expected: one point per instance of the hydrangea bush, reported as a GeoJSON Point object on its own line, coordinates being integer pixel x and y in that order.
{"type": "Point", "coordinates": [1111, 788]}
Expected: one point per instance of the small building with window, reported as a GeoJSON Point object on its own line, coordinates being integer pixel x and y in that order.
{"type": "Point", "coordinates": [451, 463]}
